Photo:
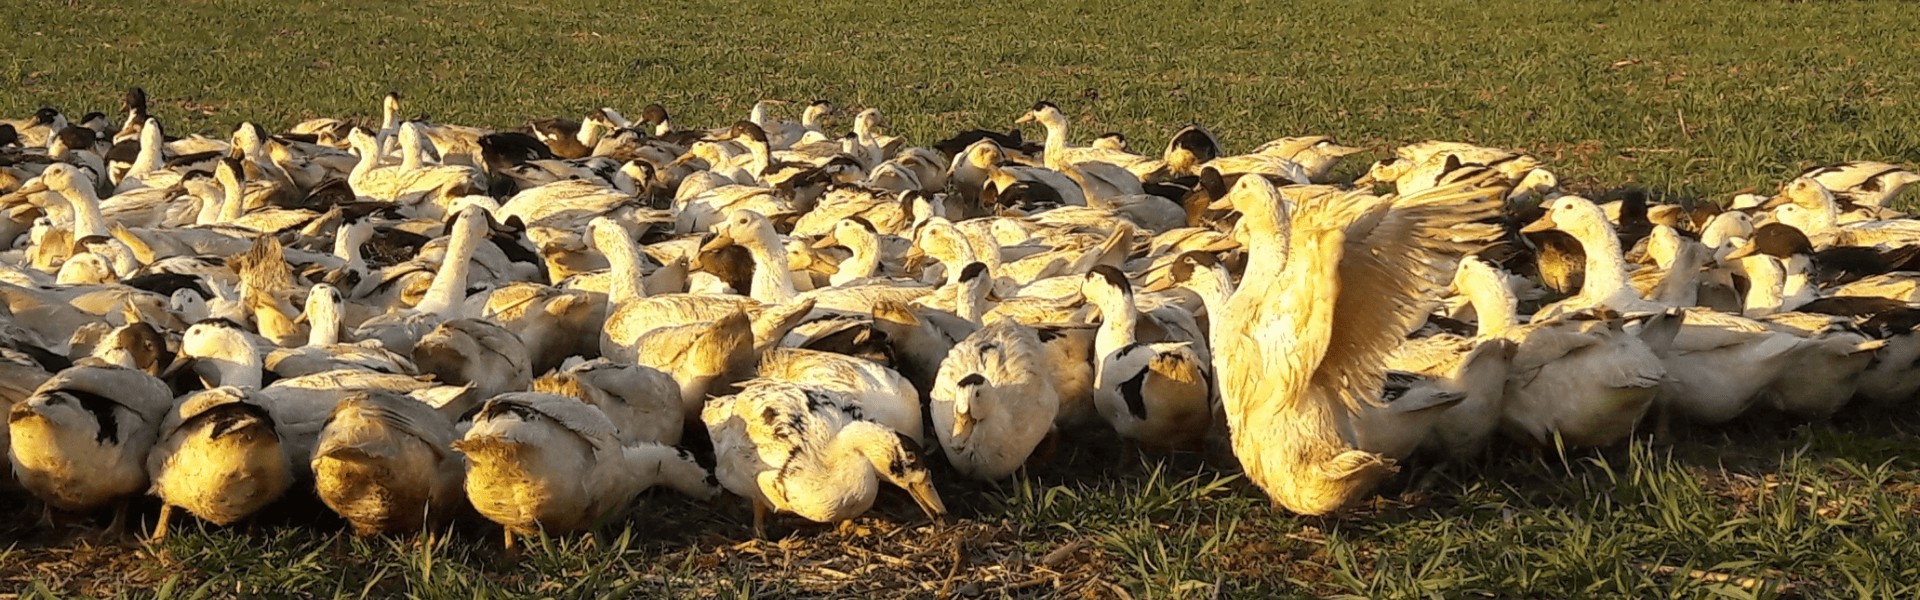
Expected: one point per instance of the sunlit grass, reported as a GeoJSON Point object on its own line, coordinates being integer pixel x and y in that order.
{"type": "Point", "coordinates": [1693, 98]}
{"type": "Point", "coordinates": [1698, 98]}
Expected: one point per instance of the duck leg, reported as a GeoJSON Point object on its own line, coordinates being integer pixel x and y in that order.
{"type": "Point", "coordinates": [1663, 424]}
{"type": "Point", "coordinates": [1048, 452]}
{"type": "Point", "coordinates": [118, 527]}
{"type": "Point", "coordinates": [160, 527]}
{"type": "Point", "coordinates": [759, 519]}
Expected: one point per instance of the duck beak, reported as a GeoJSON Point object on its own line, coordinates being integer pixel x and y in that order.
{"type": "Point", "coordinates": [825, 241]}
{"type": "Point", "coordinates": [720, 240]}
{"type": "Point", "coordinates": [1338, 151]}
{"type": "Point", "coordinates": [914, 257]}
{"type": "Point", "coordinates": [1544, 223]}
{"type": "Point", "coordinates": [1223, 245]}
{"type": "Point", "coordinates": [1026, 118]}
{"type": "Point", "coordinates": [179, 363]}
{"type": "Point", "coordinates": [826, 267]}
{"type": "Point", "coordinates": [1745, 250]}
{"type": "Point", "coordinates": [20, 412]}
{"type": "Point", "coordinates": [1366, 180]}
{"type": "Point", "coordinates": [35, 186]}
{"type": "Point", "coordinates": [1776, 202]}
{"type": "Point", "coordinates": [1221, 203]}
{"type": "Point", "coordinates": [1160, 284]}
{"type": "Point", "coordinates": [929, 499]}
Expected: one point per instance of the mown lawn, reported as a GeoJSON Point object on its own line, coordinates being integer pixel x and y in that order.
{"type": "Point", "coordinates": [1686, 98]}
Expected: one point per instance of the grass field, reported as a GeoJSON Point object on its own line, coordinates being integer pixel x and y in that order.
{"type": "Point", "coordinates": [1685, 98]}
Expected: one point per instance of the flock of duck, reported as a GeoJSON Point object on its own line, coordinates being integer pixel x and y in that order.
{"type": "Point", "coordinates": [411, 318]}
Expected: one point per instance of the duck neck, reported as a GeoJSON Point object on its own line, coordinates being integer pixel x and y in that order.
{"type": "Point", "coordinates": [970, 302]}
{"type": "Point", "coordinates": [762, 157]}
{"type": "Point", "coordinates": [237, 363]}
{"type": "Point", "coordinates": [846, 469]}
{"type": "Point", "coordinates": [213, 201]}
{"type": "Point", "coordinates": [1494, 304]}
{"type": "Point", "coordinates": [1798, 289]}
{"type": "Point", "coordinates": [449, 286]}
{"type": "Point", "coordinates": [758, 114]}
{"type": "Point", "coordinates": [1679, 284]}
{"type": "Point", "coordinates": [1056, 144]}
{"type": "Point", "coordinates": [772, 275]}
{"type": "Point", "coordinates": [235, 203]}
{"type": "Point", "coordinates": [323, 321]}
{"type": "Point", "coordinates": [864, 262]}
{"type": "Point", "coordinates": [148, 160]}
{"type": "Point", "coordinates": [369, 160]}
{"type": "Point", "coordinates": [1266, 256]}
{"type": "Point", "coordinates": [87, 220]}
{"type": "Point", "coordinates": [1214, 297]}
{"type": "Point", "coordinates": [1766, 281]}
{"type": "Point", "coordinates": [1606, 268]}
{"type": "Point", "coordinates": [1117, 320]}
{"type": "Point", "coordinates": [412, 158]}
{"type": "Point", "coordinates": [623, 262]}
{"type": "Point", "coordinates": [347, 242]}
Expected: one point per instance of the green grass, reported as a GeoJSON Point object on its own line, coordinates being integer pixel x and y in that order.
{"type": "Point", "coordinates": [1600, 90]}
{"type": "Point", "coordinates": [1813, 511]}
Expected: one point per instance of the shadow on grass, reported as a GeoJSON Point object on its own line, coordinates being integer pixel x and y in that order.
{"type": "Point", "coordinates": [1752, 509]}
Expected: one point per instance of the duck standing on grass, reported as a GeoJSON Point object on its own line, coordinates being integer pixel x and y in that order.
{"type": "Point", "coordinates": [1331, 287]}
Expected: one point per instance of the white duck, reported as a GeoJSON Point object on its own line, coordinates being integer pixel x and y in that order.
{"type": "Point", "coordinates": [1159, 394]}
{"type": "Point", "coordinates": [80, 442]}
{"type": "Point", "coordinates": [797, 448]}
{"type": "Point", "coordinates": [879, 394]}
{"type": "Point", "coordinates": [223, 456]}
{"type": "Point", "coordinates": [385, 462]}
{"type": "Point", "coordinates": [324, 350]}
{"type": "Point", "coordinates": [540, 462]}
{"type": "Point", "coordinates": [1330, 288]}
{"type": "Point", "coordinates": [993, 401]}
{"type": "Point", "coordinates": [1864, 182]}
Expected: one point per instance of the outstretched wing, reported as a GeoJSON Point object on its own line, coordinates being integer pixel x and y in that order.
{"type": "Point", "coordinates": [1398, 253]}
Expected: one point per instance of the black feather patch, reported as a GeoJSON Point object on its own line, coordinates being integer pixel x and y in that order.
{"type": "Point", "coordinates": [1198, 141]}
{"type": "Point", "coordinates": [77, 137]}
{"type": "Point", "coordinates": [1781, 240]}
{"type": "Point", "coordinates": [973, 271]}
{"type": "Point", "coordinates": [1396, 385]}
{"type": "Point", "coordinates": [124, 151]}
{"type": "Point", "coordinates": [864, 223]}
{"type": "Point", "coordinates": [222, 322]}
{"type": "Point", "coordinates": [228, 419]}
{"type": "Point", "coordinates": [1133, 391]}
{"type": "Point", "coordinates": [1113, 277]}
{"type": "Point", "coordinates": [101, 407]}
{"type": "Point", "coordinates": [909, 459]}
{"type": "Point", "coordinates": [972, 380]}
{"type": "Point", "coordinates": [166, 284]}
{"type": "Point", "coordinates": [495, 409]}
{"type": "Point", "coordinates": [187, 160]}
{"type": "Point", "coordinates": [1891, 323]}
